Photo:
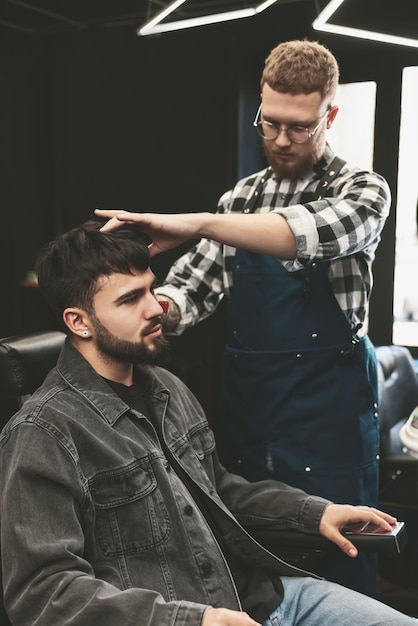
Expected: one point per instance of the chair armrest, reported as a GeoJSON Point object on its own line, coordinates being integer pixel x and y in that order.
{"type": "Point", "coordinates": [288, 541]}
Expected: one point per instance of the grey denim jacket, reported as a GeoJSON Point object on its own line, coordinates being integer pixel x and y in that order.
{"type": "Point", "coordinates": [96, 526]}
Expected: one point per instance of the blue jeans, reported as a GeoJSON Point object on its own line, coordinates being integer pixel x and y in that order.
{"type": "Point", "coordinates": [312, 602]}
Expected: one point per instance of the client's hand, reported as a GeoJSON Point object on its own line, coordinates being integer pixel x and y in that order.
{"type": "Point", "coordinates": [336, 516]}
{"type": "Point", "coordinates": [226, 617]}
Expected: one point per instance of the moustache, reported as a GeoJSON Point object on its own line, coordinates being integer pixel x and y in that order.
{"type": "Point", "coordinates": [156, 321]}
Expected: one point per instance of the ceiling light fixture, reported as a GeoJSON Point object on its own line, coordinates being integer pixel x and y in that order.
{"type": "Point", "coordinates": [155, 25]}
{"type": "Point", "coordinates": [321, 23]}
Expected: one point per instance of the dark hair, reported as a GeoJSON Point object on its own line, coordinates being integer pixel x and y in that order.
{"type": "Point", "coordinates": [69, 267]}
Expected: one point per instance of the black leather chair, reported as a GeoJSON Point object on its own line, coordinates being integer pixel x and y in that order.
{"type": "Point", "coordinates": [398, 396]}
{"type": "Point", "coordinates": [25, 360]}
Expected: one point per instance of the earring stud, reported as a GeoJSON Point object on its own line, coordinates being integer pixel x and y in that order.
{"type": "Point", "coordinates": [85, 333]}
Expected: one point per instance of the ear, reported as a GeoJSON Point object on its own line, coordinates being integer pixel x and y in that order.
{"type": "Point", "coordinates": [331, 116]}
{"type": "Point", "coordinates": [77, 321]}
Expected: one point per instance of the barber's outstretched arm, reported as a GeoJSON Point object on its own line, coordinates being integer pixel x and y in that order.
{"type": "Point", "coordinates": [264, 233]}
{"type": "Point", "coordinates": [336, 516]}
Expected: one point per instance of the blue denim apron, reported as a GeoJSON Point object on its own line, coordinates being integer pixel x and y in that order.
{"type": "Point", "coordinates": [299, 390]}
{"type": "Point", "coordinates": [299, 394]}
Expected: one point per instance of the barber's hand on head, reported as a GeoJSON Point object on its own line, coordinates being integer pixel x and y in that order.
{"type": "Point", "coordinates": [165, 230]}
{"type": "Point", "coordinates": [336, 516]}
{"type": "Point", "coordinates": [226, 617]}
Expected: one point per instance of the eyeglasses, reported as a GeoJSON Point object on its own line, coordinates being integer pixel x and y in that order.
{"type": "Point", "coordinates": [295, 134]}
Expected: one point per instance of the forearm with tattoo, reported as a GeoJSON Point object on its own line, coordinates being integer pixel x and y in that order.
{"type": "Point", "coordinates": [171, 319]}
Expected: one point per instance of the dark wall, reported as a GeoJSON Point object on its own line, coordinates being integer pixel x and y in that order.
{"type": "Point", "coordinates": [137, 123]}
{"type": "Point", "coordinates": [23, 150]}
{"type": "Point", "coordinates": [106, 118]}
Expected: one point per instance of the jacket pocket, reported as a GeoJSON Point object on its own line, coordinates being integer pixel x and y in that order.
{"type": "Point", "coordinates": [195, 450]}
{"type": "Point", "coordinates": [130, 512]}
{"type": "Point", "coordinates": [202, 440]}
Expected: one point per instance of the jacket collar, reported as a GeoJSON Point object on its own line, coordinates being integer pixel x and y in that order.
{"type": "Point", "coordinates": [77, 373]}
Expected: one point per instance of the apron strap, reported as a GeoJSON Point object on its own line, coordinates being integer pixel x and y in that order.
{"type": "Point", "coordinates": [250, 205]}
{"type": "Point", "coordinates": [332, 172]}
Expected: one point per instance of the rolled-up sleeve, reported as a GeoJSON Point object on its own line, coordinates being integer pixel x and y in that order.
{"type": "Point", "coordinates": [340, 225]}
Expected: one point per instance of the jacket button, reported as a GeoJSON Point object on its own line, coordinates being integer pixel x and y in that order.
{"type": "Point", "coordinates": [207, 568]}
{"type": "Point", "coordinates": [188, 509]}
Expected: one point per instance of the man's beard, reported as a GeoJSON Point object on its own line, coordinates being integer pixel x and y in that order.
{"type": "Point", "coordinates": [298, 167]}
{"type": "Point", "coordinates": [113, 348]}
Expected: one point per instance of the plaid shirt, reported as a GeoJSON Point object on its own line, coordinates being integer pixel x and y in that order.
{"type": "Point", "coordinates": [343, 229]}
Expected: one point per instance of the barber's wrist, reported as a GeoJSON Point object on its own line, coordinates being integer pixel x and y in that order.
{"type": "Point", "coordinates": [172, 318]}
